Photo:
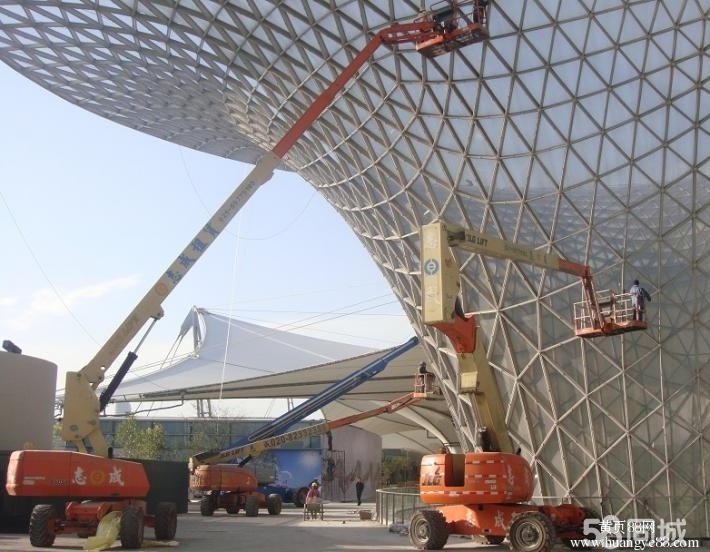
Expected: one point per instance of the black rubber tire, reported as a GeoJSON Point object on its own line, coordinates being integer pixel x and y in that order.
{"type": "Point", "coordinates": [207, 506]}
{"type": "Point", "coordinates": [232, 505]}
{"type": "Point", "coordinates": [42, 525]}
{"type": "Point", "coordinates": [274, 504]}
{"type": "Point", "coordinates": [299, 498]}
{"type": "Point", "coordinates": [165, 521]}
{"type": "Point", "coordinates": [132, 525]}
{"type": "Point", "coordinates": [494, 539]}
{"type": "Point", "coordinates": [428, 530]}
{"type": "Point", "coordinates": [532, 532]}
{"type": "Point", "coordinates": [251, 506]}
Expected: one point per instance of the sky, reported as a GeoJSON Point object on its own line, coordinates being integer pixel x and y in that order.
{"type": "Point", "coordinates": [92, 213]}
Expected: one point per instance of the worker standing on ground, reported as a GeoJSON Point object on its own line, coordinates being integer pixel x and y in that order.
{"type": "Point", "coordinates": [639, 296]}
{"type": "Point", "coordinates": [359, 486]}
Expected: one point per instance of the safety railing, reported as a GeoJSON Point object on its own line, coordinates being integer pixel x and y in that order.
{"type": "Point", "coordinates": [395, 505]}
{"type": "Point", "coordinates": [615, 307]}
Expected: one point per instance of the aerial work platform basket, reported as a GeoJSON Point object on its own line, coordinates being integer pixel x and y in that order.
{"type": "Point", "coordinates": [617, 316]}
{"type": "Point", "coordinates": [457, 24]}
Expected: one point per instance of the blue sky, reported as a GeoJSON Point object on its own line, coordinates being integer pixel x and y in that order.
{"type": "Point", "coordinates": [92, 213]}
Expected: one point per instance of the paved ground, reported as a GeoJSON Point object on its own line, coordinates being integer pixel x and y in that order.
{"type": "Point", "coordinates": [341, 530]}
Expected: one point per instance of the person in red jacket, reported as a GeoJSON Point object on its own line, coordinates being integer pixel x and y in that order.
{"type": "Point", "coordinates": [313, 495]}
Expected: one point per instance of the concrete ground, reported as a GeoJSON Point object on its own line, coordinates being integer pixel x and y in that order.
{"type": "Point", "coordinates": [341, 530]}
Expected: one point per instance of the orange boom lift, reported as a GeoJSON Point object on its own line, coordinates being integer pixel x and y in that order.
{"type": "Point", "coordinates": [94, 481]}
{"type": "Point", "coordinates": [487, 493]}
{"type": "Point", "coordinates": [233, 487]}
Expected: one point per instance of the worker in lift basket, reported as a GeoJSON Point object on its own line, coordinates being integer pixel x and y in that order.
{"type": "Point", "coordinates": [639, 296]}
{"type": "Point", "coordinates": [423, 378]}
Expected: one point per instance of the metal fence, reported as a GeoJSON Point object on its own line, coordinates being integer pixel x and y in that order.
{"type": "Point", "coordinates": [395, 505]}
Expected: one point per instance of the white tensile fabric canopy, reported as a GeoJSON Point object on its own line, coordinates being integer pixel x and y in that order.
{"type": "Point", "coordinates": [233, 359]}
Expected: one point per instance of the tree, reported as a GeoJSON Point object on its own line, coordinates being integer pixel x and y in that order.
{"type": "Point", "coordinates": [395, 469]}
{"type": "Point", "coordinates": [137, 442]}
{"type": "Point", "coordinates": [208, 435]}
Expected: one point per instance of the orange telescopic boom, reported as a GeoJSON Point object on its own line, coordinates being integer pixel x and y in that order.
{"type": "Point", "coordinates": [53, 473]}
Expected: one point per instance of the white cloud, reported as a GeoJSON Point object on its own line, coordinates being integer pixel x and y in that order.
{"type": "Point", "coordinates": [45, 302]}
{"type": "Point", "coordinates": [8, 301]}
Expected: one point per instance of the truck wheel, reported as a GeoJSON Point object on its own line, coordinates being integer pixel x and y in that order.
{"type": "Point", "coordinates": [131, 531]}
{"type": "Point", "coordinates": [494, 539]}
{"type": "Point", "coordinates": [42, 521]}
{"type": "Point", "coordinates": [428, 530]}
{"type": "Point", "coordinates": [251, 507]}
{"type": "Point", "coordinates": [299, 499]}
{"type": "Point", "coordinates": [207, 506]}
{"type": "Point", "coordinates": [273, 504]}
{"type": "Point", "coordinates": [532, 532]}
{"type": "Point", "coordinates": [165, 521]}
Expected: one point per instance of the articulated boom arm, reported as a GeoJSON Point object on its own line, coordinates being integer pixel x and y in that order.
{"type": "Point", "coordinates": [439, 236]}
{"type": "Point", "coordinates": [81, 406]}
{"type": "Point", "coordinates": [257, 447]}
{"type": "Point", "coordinates": [491, 246]}
{"type": "Point", "coordinates": [441, 308]}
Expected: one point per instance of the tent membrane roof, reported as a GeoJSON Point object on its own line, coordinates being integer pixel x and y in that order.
{"type": "Point", "coordinates": [229, 351]}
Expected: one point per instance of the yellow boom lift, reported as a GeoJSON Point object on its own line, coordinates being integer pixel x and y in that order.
{"type": "Point", "coordinates": [441, 308]}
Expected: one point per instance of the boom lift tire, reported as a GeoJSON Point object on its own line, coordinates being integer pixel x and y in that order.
{"type": "Point", "coordinates": [42, 522]}
{"type": "Point", "coordinates": [232, 506]}
{"type": "Point", "coordinates": [299, 498]}
{"type": "Point", "coordinates": [165, 521]}
{"type": "Point", "coordinates": [207, 506]}
{"type": "Point", "coordinates": [273, 504]}
{"type": "Point", "coordinates": [428, 530]}
{"type": "Point", "coordinates": [251, 507]}
{"type": "Point", "coordinates": [132, 525]}
{"type": "Point", "coordinates": [532, 532]}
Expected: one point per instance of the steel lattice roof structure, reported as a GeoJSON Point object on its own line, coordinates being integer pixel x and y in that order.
{"type": "Point", "coordinates": [579, 127]}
